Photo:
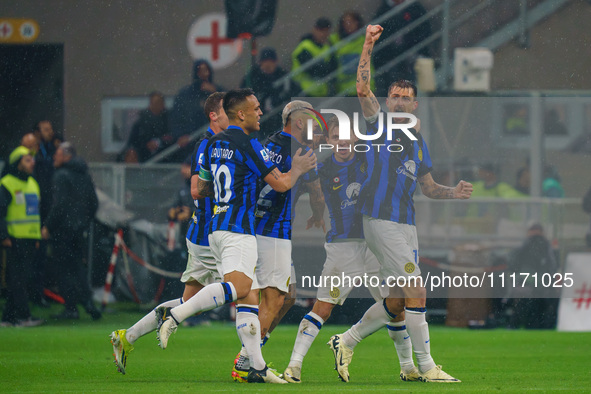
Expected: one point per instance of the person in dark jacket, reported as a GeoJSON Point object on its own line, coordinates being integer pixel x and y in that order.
{"type": "Point", "coordinates": [74, 205]}
{"type": "Point", "coordinates": [149, 134]}
{"type": "Point", "coordinates": [187, 115]}
{"type": "Point", "coordinates": [261, 78]}
{"type": "Point", "coordinates": [48, 143]}
{"type": "Point", "coordinates": [20, 232]}
{"type": "Point", "coordinates": [404, 42]}
{"type": "Point", "coordinates": [537, 258]}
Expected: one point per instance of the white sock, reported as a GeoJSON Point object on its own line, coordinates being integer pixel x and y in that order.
{"type": "Point", "coordinates": [399, 335]}
{"type": "Point", "coordinates": [248, 327]}
{"type": "Point", "coordinates": [148, 323]}
{"type": "Point", "coordinates": [307, 331]}
{"type": "Point", "coordinates": [418, 329]}
{"type": "Point", "coordinates": [374, 318]}
{"type": "Point", "coordinates": [211, 296]}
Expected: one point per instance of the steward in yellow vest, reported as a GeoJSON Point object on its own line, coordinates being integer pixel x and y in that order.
{"type": "Point", "coordinates": [348, 55]}
{"type": "Point", "coordinates": [313, 46]}
{"type": "Point", "coordinates": [21, 218]}
{"type": "Point", "coordinates": [20, 232]}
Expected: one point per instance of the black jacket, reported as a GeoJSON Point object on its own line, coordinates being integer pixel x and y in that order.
{"type": "Point", "coordinates": [43, 173]}
{"type": "Point", "coordinates": [74, 199]}
{"type": "Point", "coordinates": [270, 97]}
{"type": "Point", "coordinates": [149, 127]}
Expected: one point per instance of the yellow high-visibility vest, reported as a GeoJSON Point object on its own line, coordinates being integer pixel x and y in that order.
{"type": "Point", "coordinates": [22, 216]}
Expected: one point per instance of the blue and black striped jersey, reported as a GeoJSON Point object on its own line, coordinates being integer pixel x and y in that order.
{"type": "Point", "coordinates": [199, 226]}
{"type": "Point", "coordinates": [341, 184]}
{"type": "Point", "coordinates": [235, 162]}
{"type": "Point", "coordinates": [392, 177]}
{"type": "Point", "coordinates": [275, 210]}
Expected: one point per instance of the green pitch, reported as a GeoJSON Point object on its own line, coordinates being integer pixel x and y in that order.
{"type": "Point", "coordinates": [65, 357]}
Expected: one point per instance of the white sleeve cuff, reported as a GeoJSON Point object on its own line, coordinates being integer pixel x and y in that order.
{"type": "Point", "coordinates": [372, 119]}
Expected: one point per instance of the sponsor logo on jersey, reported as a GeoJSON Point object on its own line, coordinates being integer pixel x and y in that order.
{"type": "Point", "coordinates": [353, 190]}
{"type": "Point", "coordinates": [408, 169]}
{"type": "Point", "coordinates": [352, 193]}
{"type": "Point", "coordinates": [217, 209]}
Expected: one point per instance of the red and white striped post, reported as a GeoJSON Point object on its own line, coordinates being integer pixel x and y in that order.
{"type": "Point", "coordinates": [111, 271]}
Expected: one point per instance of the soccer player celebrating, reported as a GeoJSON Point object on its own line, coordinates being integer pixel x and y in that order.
{"type": "Point", "coordinates": [389, 220]}
{"type": "Point", "coordinates": [230, 168]}
{"type": "Point", "coordinates": [274, 274]}
{"type": "Point", "coordinates": [347, 255]}
{"type": "Point", "coordinates": [201, 267]}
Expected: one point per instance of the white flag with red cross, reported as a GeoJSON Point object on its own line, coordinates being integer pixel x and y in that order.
{"type": "Point", "coordinates": [207, 40]}
{"type": "Point", "coordinates": [574, 310]}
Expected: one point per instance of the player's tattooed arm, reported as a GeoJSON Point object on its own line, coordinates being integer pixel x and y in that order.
{"type": "Point", "coordinates": [317, 205]}
{"type": "Point", "coordinates": [431, 189]}
{"type": "Point", "coordinates": [276, 174]}
{"type": "Point", "coordinates": [369, 103]}
{"type": "Point", "coordinates": [204, 189]}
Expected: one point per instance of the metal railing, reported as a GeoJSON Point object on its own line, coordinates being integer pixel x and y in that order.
{"type": "Point", "coordinates": [145, 192]}
{"type": "Point", "coordinates": [149, 192]}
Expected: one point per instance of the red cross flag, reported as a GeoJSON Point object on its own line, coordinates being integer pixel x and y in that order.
{"type": "Point", "coordinates": [6, 30]}
{"type": "Point", "coordinates": [574, 310]}
{"type": "Point", "coordinates": [207, 40]}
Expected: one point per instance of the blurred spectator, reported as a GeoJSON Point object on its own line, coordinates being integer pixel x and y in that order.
{"type": "Point", "coordinates": [523, 180]}
{"type": "Point", "coordinates": [348, 55]}
{"type": "Point", "coordinates": [43, 174]}
{"type": "Point", "coordinates": [74, 206]}
{"type": "Point", "coordinates": [314, 46]}
{"type": "Point", "coordinates": [535, 255]}
{"type": "Point", "coordinates": [516, 121]}
{"type": "Point", "coordinates": [31, 142]}
{"type": "Point", "coordinates": [184, 205]}
{"type": "Point", "coordinates": [261, 79]}
{"type": "Point", "coordinates": [149, 134]}
{"type": "Point", "coordinates": [20, 232]}
{"type": "Point", "coordinates": [553, 123]}
{"type": "Point", "coordinates": [48, 143]}
{"type": "Point", "coordinates": [186, 115]}
{"type": "Point", "coordinates": [386, 53]}
{"type": "Point", "coordinates": [551, 186]}
{"type": "Point", "coordinates": [489, 185]}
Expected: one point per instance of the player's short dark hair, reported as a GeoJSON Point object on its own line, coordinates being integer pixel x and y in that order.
{"type": "Point", "coordinates": [404, 84]}
{"type": "Point", "coordinates": [330, 123]}
{"type": "Point", "coordinates": [234, 99]}
{"type": "Point", "coordinates": [213, 103]}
